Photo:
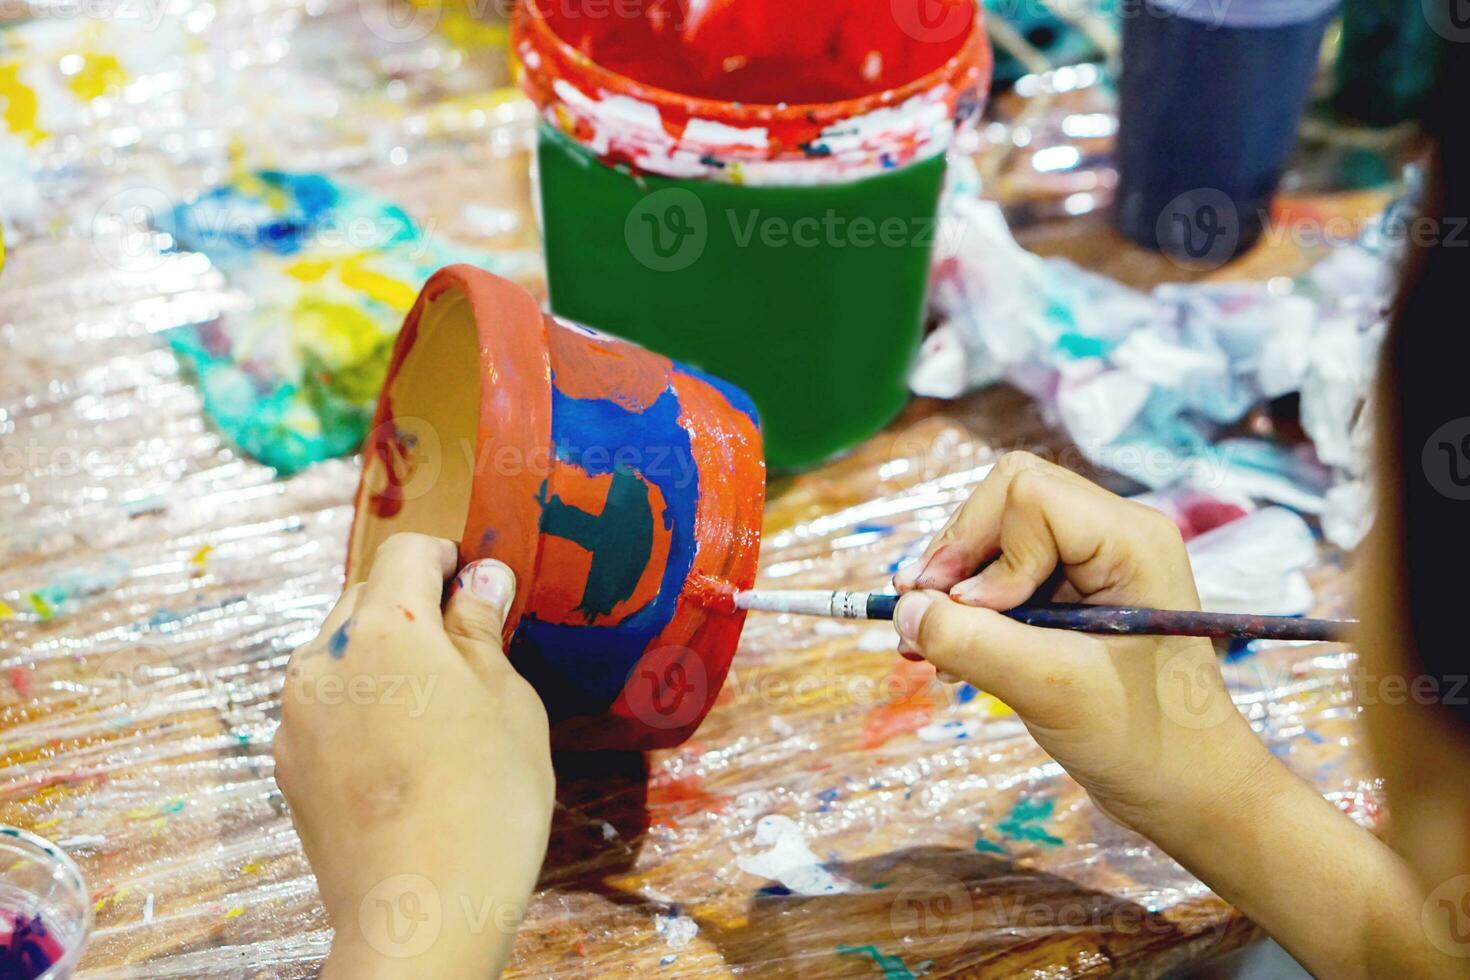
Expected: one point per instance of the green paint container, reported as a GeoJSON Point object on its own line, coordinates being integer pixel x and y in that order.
{"type": "Point", "coordinates": [782, 246]}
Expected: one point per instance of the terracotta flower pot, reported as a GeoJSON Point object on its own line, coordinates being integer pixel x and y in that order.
{"type": "Point", "coordinates": [614, 482]}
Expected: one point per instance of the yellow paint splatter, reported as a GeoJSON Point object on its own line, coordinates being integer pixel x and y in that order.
{"type": "Point", "coordinates": [201, 558]}
{"type": "Point", "coordinates": [100, 74]}
{"type": "Point", "coordinates": [48, 823]}
{"type": "Point", "coordinates": [235, 912]}
{"type": "Point", "coordinates": [43, 608]}
{"type": "Point", "coordinates": [250, 868]}
{"type": "Point", "coordinates": [22, 108]}
{"type": "Point", "coordinates": [995, 707]}
{"type": "Point", "coordinates": [6, 612]}
{"type": "Point", "coordinates": [466, 32]}
{"type": "Point", "coordinates": [310, 270]}
{"type": "Point", "coordinates": [392, 293]}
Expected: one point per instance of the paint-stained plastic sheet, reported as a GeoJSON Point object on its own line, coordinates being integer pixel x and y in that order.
{"type": "Point", "coordinates": [840, 812]}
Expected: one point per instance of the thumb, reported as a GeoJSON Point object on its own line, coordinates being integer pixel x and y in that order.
{"type": "Point", "coordinates": [1033, 670]}
{"type": "Point", "coordinates": [475, 615]}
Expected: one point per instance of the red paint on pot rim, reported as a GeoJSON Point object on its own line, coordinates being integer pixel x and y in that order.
{"type": "Point", "coordinates": [832, 85]}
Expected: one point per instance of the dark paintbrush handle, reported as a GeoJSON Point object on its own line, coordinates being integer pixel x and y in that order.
{"type": "Point", "coordinates": [1127, 621]}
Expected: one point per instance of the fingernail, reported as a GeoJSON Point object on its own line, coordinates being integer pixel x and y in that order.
{"type": "Point", "coordinates": [971, 590]}
{"type": "Point", "coordinates": [910, 613]}
{"type": "Point", "coordinates": [908, 574]}
{"type": "Point", "coordinates": [490, 581]}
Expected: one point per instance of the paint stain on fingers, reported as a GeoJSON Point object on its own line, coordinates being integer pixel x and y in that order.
{"type": "Point", "coordinates": [337, 642]}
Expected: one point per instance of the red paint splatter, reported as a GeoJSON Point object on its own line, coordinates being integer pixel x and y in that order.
{"type": "Point", "coordinates": [896, 718]}
{"type": "Point", "coordinates": [390, 450]}
{"type": "Point", "coordinates": [408, 614]}
{"type": "Point", "coordinates": [671, 798]}
{"type": "Point", "coordinates": [1204, 513]}
{"type": "Point", "coordinates": [910, 711]}
{"type": "Point", "coordinates": [20, 679]}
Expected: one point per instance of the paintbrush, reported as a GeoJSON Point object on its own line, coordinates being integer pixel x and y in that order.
{"type": "Point", "coordinates": [1112, 620]}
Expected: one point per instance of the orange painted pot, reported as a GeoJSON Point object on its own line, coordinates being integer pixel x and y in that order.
{"type": "Point", "coordinates": [607, 477]}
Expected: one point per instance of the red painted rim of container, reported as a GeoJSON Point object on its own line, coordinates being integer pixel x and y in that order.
{"type": "Point", "coordinates": [965, 67]}
{"type": "Point", "coordinates": [508, 322]}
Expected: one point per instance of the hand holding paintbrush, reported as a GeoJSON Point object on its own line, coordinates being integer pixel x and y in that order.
{"type": "Point", "coordinates": [1144, 722]}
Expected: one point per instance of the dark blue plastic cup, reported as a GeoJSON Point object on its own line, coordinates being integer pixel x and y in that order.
{"type": "Point", "coordinates": [1211, 96]}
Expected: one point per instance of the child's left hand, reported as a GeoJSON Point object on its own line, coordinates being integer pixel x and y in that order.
{"type": "Point", "coordinates": [417, 764]}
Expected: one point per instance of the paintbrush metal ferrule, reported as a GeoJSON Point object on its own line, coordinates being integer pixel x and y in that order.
{"type": "Point", "coordinates": [802, 602]}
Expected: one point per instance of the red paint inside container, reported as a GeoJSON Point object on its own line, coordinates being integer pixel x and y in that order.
{"type": "Point", "coordinates": [766, 51]}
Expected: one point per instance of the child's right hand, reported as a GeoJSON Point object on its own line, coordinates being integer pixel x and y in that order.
{"type": "Point", "coordinates": [1145, 724]}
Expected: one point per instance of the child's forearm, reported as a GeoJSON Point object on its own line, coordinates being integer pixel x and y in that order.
{"type": "Point", "coordinates": [1338, 899]}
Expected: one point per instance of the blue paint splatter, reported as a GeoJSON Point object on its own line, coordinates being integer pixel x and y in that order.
{"type": "Point", "coordinates": [827, 796]}
{"type": "Point", "coordinates": [965, 693]}
{"type": "Point", "coordinates": [337, 643]}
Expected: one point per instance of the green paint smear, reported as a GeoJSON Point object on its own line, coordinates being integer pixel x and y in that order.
{"type": "Point", "coordinates": [987, 847]}
{"type": "Point", "coordinates": [893, 967]}
{"type": "Point", "coordinates": [1024, 823]}
{"type": "Point", "coordinates": [619, 540]}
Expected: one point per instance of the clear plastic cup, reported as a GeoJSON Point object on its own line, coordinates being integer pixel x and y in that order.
{"type": "Point", "coordinates": [42, 893]}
